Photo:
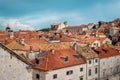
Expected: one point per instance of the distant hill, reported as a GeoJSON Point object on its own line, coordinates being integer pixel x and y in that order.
{"type": "Point", "coordinates": [44, 29]}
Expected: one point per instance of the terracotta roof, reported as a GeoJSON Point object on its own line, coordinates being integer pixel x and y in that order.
{"type": "Point", "coordinates": [14, 45]}
{"type": "Point", "coordinates": [2, 32]}
{"type": "Point", "coordinates": [66, 39]}
{"type": "Point", "coordinates": [54, 61]}
{"type": "Point", "coordinates": [87, 52]}
{"type": "Point", "coordinates": [105, 52]}
{"type": "Point", "coordinates": [88, 31]}
{"type": "Point", "coordinates": [26, 34]}
{"type": "Point", "coordinates": [37, 44]}
{"type": "Point", "coordinates": [72, 27]}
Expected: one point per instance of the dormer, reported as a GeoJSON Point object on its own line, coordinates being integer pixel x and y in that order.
{"type": "Point", "coordinates": [98, 52]}
{"type": "Point", "coordinates": [38, 61]}
{"type": "Point", "coordinates": [65, 59]}
{"type": "Point", "coordinates": [105, 50]}
{"type": "Point", "coordinates": [77, 56]}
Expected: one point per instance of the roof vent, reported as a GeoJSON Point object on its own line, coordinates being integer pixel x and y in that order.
{"type": "Point", "coordinates": [52, 51]}
{"type": "Point", "coordinates": [31, 48]}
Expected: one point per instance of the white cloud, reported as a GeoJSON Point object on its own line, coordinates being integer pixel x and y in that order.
{"type": "Point", "coordinates": [47, 18]}
{"type": "Point", "coordinates": [16, 25]}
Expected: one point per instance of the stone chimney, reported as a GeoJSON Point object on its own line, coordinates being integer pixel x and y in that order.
{"type": "Point", "coordinates": [52, 51]}
{"type": "Point", "coordinates": [11, 33]}
{"type": "Point", "coordinates": [22, 42]}
{"type": "Point", "coordinates": [74, 46]}
{"type": "Point", "coordinates": [31, 48]}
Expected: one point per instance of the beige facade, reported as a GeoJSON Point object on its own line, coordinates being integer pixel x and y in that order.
{"type": "Point", "coordinates": [92, 69]}
{"type": "Point", "coordinates": [77, 72]}
{"type": "Point", "coordinates": [109, 66]}
{"type": "Point", "coordinates": [13, 67]}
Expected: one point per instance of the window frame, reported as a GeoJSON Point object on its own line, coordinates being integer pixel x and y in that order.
{"type": "Point", "coordinates": [55, 76]}
{"type": "Point", "coordinates": [69, 72]}
{"type": "Point", "coordinates": [37, 76]}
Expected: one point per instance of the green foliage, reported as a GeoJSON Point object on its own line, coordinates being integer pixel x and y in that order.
{"type": "Point", "coordinates": [45, 30]}
{"type": "Point", "coordinates": [94, 27]}
{"type": "Point", "coordinates": [115, 41]}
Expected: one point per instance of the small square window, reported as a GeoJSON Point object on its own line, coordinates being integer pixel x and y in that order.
{"type": "Point", "coordinates": [37, 76]}
{"type": "Point", "coordinates": [69, 72]}
{"type": "Point", "coordinates": [81, 78]}
{"type": "Point", "coordinates": [81, 69]}
{"type": "Point", "coordinates": [54, 76]}
{"type": "Point", "coordinates": [96, 60]}
{"type": "Point", "coordinates": [65, 59]}
{"type": "Point", "coordinates": [90, 62]}
{"type": "Point", "coordinates": [96, 79]}
{"type": "Point", "coordinates": [96, 70]}
{"type": "Point", "coordinates": [89, 72]}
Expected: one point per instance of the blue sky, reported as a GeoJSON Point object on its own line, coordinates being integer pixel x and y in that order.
{"type": "Point", "coordinates": [37, 14]}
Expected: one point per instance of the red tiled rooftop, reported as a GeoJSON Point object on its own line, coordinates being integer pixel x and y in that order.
{"type": "Point", "coordinates": [72, 27]}
{"type": "Point", "coordinates": [54, 61]}
{"type": "Point", "coordinates": [106, 52]}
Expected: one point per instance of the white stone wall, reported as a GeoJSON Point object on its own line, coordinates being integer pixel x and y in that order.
{"type": "Point", "coordinates": [61, 73]}
{"type": "Point", "coordinates": [107, 41]}
{"type": "Point", "coordinates": [109, 66]}
{"type": "Point", "coordinates": [12, 68]}
{"type": "Point", "coordinates": [92, 66]}
{"type": "Point", "coordinates": [42, 74]}
{"type": "Point", "coordinates": [61, 26]}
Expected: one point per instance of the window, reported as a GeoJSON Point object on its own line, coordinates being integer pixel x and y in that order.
{"type": "Point", "coordinates": [39, 61]}
{"type": "Point", "coordinates": [90, 62]}
{"type": "Point", "coordinates": [77, 56]}
{"type": "Point", "coordinates": [81, 77]}
{"type": "Point", "coordinates": [54, 76]}
{"type": "Point", "coordinates": [96, 60]}
{"type": "Point", "coordinates": [37, 76]}
{"type": "Point", "coordinates": [96, 71]}
{"type": "Point", "coordinates": [65, 59]}
{"type": "Point", "coordinates": [69, 72]}
{"type": "Point", "coordinates": [95, 44]}
{"type": "Point", "coordinates": [103, 74]}
{"type": "Point", "coordinates": [89, 72]}
{"type": "Point", "coordinates": [81, 69]}
{"type": "Point", "coordinates": [103, 63]}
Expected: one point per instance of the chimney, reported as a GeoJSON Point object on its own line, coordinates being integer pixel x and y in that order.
{"type": "Point", "coordinates": [11, 33]}
{"type": "Point", "coordinates": [52, 51]}
{"type": "Point", "coordinates": [40, 51]}
{"type": "Point", "coordinates": [75, 46]}
{"type": "Point", "coordinates": [22, 42]}
{"type": "Point", "coordinates": [31, 48]}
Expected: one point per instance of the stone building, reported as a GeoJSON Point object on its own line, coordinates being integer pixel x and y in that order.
{"type": "Point", "coordinates": [79, 29]}
{"type": "Point", "coordinates": [109, 62]}
{"type": "Point", "coordinates": [92, 62]}
{"type": "Point", "coordinates": [63, 64]}
{"type": "Point", "coordinates": [13, 67]}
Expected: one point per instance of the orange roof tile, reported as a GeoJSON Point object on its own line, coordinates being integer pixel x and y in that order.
{"type": "Point", "coordinates": [54, 61]}
{"type": "Point", "coordinates": [72, 27]}
{"type": "Point", "coordinates": [106, 52]}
